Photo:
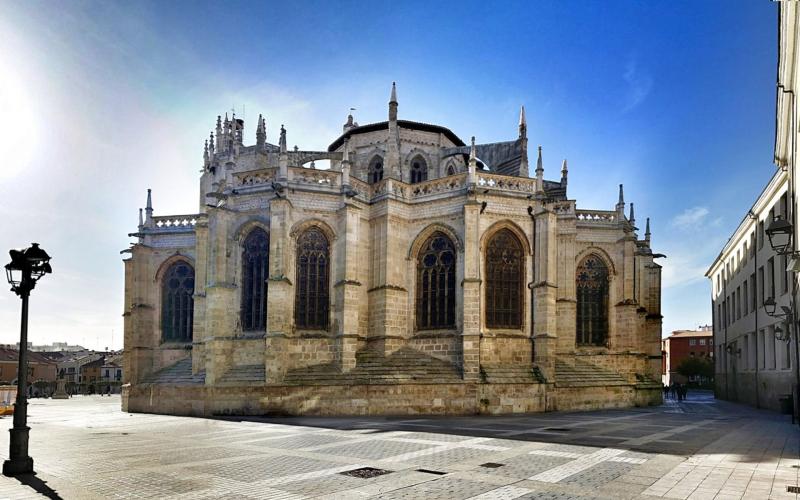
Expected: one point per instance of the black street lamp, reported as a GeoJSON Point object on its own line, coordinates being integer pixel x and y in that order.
{"type": "Point", "coordinates": [24, 270]}
{"type": "Point", "coordinates": [779, 233]}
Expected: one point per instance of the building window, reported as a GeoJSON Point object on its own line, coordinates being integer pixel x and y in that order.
{"type": "Point", "coordinates": [761, 285]}
{"type": "Point", "coordinates": [702, 341]}
{"type": "Point", "coordinates": [177, 304]}
{"type": "Point", "coordinates": [419, 170]}
{"type": "Point", "coordinates": [255, 263]}
{"type": "Point", "coordinates": [504, 278]}
{"type": "Point", "coordinates": [375, 173]}
{"type": "Point", "coordinates": [784, 275]}
{"type": "Point", "coordinates": [436, 283]}
{"type": "Point", "coordinates": [753, 298]}
{"type": "Point", "coordinates": [745, 302]}
{"type": "Point", "coordinates": [692, 341]}
{"type": "Point", "coordinates": [451, 170]}
{"type": "Point", "coordinates": [313, 268]}
{"type": "Point", "coordinates": [592, 293]}
{"type": "Point", "coordinates": [760, 234]}
{"type": "Point", "coordinates": [771, 276]}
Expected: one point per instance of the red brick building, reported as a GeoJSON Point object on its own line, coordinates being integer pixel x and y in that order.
{"type": "Point", "coordinates": [681, 345]}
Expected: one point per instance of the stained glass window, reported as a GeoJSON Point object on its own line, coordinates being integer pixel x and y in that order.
{"type": "Point", "coordinates": [255, 264]}
{"type": "Point", "coordinates": [311, 292]}
{"type": "Point", "coordinates": [419, 170]}
{"type": "Point", "coordinates": [504, 278]}
{"type": "Point", "coordinates": [591, 282]}
{"type": "Point", "coordinates": [375, 173]}
{"type": "Point", "coordinates": [177, 304]}
{"type": "Point", "coordinates": [436, 283]}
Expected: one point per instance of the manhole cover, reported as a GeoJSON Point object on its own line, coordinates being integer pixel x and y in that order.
{"type": "Point", "coordinates": [437, 472]}
{"type": "Point", "coordinates": [491, 465]}
{"type": "Point", "coordinates": [557, 429]}
{"type": "Point", "coordinates": [365, 472]}
{"type": "Point", "coordinates": [793, 489]}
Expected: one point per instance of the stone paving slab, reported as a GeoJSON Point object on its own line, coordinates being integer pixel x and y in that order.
{"type": "Point", "coordinates": [86, 448]}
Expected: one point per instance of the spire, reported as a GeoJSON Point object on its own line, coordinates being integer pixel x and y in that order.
{"type": "Point", "coordinates": [346, 163]}
{"type": "Point", "coordinates": [148, 211]}
{"type": "Point", "coordinates": [261, 133]}
{"type": "Point", "coordinates": [564, 172]}
{"type": "Point", "coordinates": [473, 163]}
{"type": "Point", "coordinates": [211, 146]}
{"type": "Point", "coordinates": [632, 218]}
{"type": "Point", "coordinates": [621, 204]}
{"type": "Point", "coordinates": [621, 196]}
{"type": "Point", "coordinates": [393, 104]}
{"type": "Point", "coordinates": [141, 221]}
{"type": "Point", "coordinates": [219, 133]}
{"type": "Point", "coordinates": [523, 124]}
{"type": "Point", "coordinates": [205, 153]}
{"type": "Point", "coordinates": [647, 231]}
{"type": "Point", "coordinates": [539, 172]}
{"type": "Point", "coordinates": [282, 140]}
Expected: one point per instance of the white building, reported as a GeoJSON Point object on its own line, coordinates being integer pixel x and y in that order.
{"type": "Point", "coordinates": [753, 363]}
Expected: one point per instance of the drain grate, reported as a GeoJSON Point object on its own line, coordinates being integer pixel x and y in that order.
{"type": "Point", "coordinates": [492, 465]}
{"type": "Point", "coordinates": [793, 489]}
{"type": "Point", "coordinates": [557, 429]}
{"type": "Point", "coordinates": [365, 472]}
{"type": "Point", "coordinates": [437, 472]}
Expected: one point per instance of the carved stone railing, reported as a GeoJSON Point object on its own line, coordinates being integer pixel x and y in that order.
{"type": "Point", "coordinates": [255, 177]}
{"type": "Point", "coordinates": [174, 222]}
{"type": "Point", "coordinates": [564, 208]}
{"type": "Point", "coordinates": [506, 183]}
{"type": "Point", "coordinates": [598, 216]}
{"type": "Point", "coordinates": [313, 177]}
{"type": "Point", "coordinates": [391, 186]}
{"type": "Point", "coordinates": [441, 185]}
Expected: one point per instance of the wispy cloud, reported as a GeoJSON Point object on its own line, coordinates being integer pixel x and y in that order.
{"type": "Point", "coordinates": [691, 218]}
{"type": "Point", "coordinates": [639, 82]}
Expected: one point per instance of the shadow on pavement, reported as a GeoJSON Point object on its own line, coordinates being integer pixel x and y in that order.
{"type": "Point", "coordinates": [32, 481]}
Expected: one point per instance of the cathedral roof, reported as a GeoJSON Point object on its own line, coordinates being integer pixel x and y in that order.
{"type": "Point", "coordinates": [372, 127]}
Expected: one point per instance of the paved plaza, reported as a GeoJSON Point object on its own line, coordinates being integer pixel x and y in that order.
{"type": "Point", "coordinates": [86, 447]}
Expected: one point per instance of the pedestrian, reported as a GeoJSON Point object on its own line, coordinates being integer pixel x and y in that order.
{"type": "Point", "coordinates": [666, 391]}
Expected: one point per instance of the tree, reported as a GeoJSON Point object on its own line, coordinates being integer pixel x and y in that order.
{"type": "Point", "coordinates": [702, 367]}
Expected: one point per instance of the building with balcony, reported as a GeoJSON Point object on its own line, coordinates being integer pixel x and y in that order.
{"type": "Point", "coordinates": [416, 274]}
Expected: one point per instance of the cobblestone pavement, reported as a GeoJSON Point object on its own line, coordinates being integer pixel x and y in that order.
{"type": "Point", "coordinates": [86, 447]}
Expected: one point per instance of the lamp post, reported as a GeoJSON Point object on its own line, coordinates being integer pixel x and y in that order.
{"type": "Point", "coordinates": [780, 233]}
{"type": "Point", "coordinates": [24, 270]}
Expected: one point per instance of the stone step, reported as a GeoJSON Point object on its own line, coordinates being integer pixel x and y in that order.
{"type": "Point", "coordinates": [179, 373]}
{"type": "Point", "coordinates": [583, 374]}
{"type": "Point", "coordinates": [244, 374]}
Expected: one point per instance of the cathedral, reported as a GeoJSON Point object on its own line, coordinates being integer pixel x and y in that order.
{"type": "Point", "coordinates": [416, 274]}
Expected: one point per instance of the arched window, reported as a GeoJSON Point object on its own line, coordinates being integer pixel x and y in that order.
{"type": "Point", "coordinates": [591, 283]}
{"type": "Point", "coordinates": [177, 304]}
{"type": "Point", "coordinates": [313, 268]}
{"type": "Point", "coordinates": [375, 173]}
{"type": "Point", "coordinates": [419, 170]}
{"type": "Point", "coordinates": [504, 278]}
{"type": "Point", "coordinates": [436, 283]}
{"type": "Point", "coordinates": [255, 265]}
{"type": "Point", "coordinates": [451, 170]}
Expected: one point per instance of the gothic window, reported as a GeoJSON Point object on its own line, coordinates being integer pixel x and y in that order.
{"type": "Point", "coordinates": [255, 264]}
{"type": "Point", "coordinates": [313, 268]}
{"type": "Point", "coordinates": [436, 283]}
{"type": "Point", "coordinates": [375, 173]}
{"type": "Point", "coordinates": [419, 170]}
{"type": "Point", "coordinates": [451, 170]}
{"type": "Point", "coordinates": [504, 278]}
{"type": "Point", "coordinates": [591, 282]}
{"type": "Point", "coordinates": [177, 304]}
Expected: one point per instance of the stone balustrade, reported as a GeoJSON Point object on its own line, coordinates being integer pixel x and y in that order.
{"type": "Point", "coordinates": [174, 222]}
{"type": "Point", "coordinates": [327, 178]}
{"type": "Point", "coordinates": [255, 177]}
{"type": "Point", "coordinates": [506, 183]}
{"type": "Point", "coordinates": [442, 185]}
{"type": "Point", "coordinates": [599, 216]}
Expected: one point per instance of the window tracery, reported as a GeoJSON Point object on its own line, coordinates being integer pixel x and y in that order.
{"type": "Point", "coordinates": [591, 282]}
{"type": "Point", "coordinates": [311, 291]}
{"type": "Point", "coordinates": [436, 283]}
{"type": "Point", "coordinates": [177, 303]}
{"type": "Point", "coordinates": [255, 271]}
{"type": "Point", "coordinates": [504, 278]}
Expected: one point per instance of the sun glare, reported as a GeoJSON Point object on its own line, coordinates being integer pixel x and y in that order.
{"type": "Point", "coordinates": [17, 127]}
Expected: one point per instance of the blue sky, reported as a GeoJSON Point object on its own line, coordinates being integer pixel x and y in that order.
{"type": "Point", "coordinates": [101, 100]}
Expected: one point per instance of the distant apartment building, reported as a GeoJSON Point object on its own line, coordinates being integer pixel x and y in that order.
{"type": "Point", "coordinates": [39, 367]}
{"type": "Point", "coordinates": [71, 368]}
{"type": "Point", "coordinates": [683, 344]}
{"type": "Point", "coordinates": [753, 363]}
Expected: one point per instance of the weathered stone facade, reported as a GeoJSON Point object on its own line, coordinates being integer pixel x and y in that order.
{"type": "Point", "coordinates": [390, 188]}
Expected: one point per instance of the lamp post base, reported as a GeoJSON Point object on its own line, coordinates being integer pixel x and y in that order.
{"type": "Point", "coordinates": [23, 465]}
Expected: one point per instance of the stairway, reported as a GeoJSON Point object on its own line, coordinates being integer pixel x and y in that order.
{"type": "Point", "coordinates": [508, 374]}
{"type": "Point", "coordinates": [582, 374]}
{"type": "Point", "coordinates": [403, 366]}
{"type": "Point", "coordinates": [244, 375]}
{"type": "Point", "coordinates": [179, 373]}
